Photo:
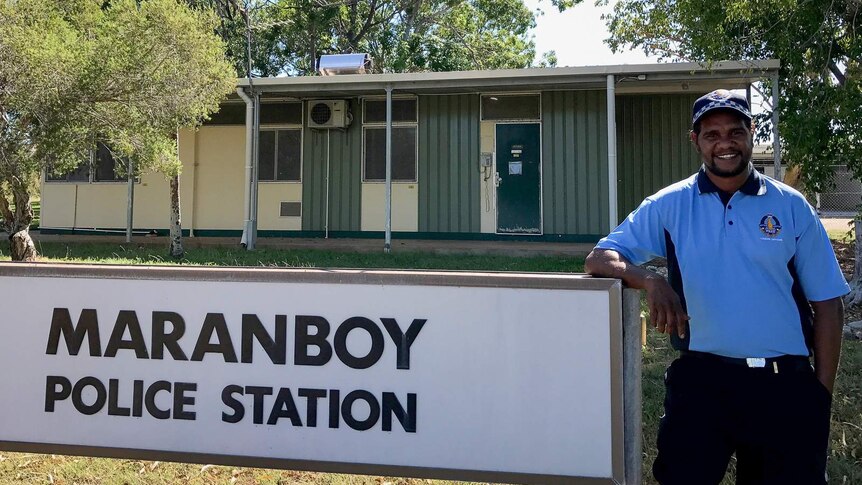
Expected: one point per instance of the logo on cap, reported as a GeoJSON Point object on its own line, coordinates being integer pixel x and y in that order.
{"type": "Point", "coordinates": [719, 94]}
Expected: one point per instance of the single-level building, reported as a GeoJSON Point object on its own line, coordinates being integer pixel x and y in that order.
{"type": "Point", "coordinates": [547, 154]}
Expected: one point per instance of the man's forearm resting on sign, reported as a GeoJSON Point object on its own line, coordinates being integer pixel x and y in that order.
{"type": "Point", "coordinates": [828, 320]}
{"type": "Point", "coordinates": [608, 263]}
{"type": "Point", "coordinates": [665, 308]}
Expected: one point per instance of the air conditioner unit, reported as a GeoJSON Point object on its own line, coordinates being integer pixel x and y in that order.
{"type": "Point", "coordinates": [327, 113]}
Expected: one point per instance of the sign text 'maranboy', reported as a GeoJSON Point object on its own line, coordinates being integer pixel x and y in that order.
{"type": "Point", "coordinates": [312, 345]}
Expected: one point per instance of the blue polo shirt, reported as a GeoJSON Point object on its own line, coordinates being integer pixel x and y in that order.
{"type": "Point", "coordinates": [745, 271]}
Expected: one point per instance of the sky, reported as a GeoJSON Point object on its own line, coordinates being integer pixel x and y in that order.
{"type": "Point", "coordinates": [577, 35]}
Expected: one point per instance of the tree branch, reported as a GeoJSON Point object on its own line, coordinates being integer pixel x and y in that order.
{"type": "Point", "coordinates": [836, 71]}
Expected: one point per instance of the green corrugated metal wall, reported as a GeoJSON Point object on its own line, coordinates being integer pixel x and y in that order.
{"type": "Point", "coordinates": [652, 151]}
{"type": "Point", "coordinates": [653, 148]}
{"type": "Point", "coordinates": [345, 185]}
{"type": "Point", "coordinates": [574, 162]}
{"type": "Point", "coordinates": [449, 163]}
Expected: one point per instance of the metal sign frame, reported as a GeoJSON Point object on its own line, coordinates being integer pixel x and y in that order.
{"type": "Point", "coordinates": [625, 397]}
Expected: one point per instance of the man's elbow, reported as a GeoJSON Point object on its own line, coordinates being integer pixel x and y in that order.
{"type": "Point", "coordinates": [590, 263]}
{"type": "Point", "coordinates": [596, 263]}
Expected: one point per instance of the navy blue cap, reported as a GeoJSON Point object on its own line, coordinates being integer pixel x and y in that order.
{"type": "Point", "coordinates": [720, 99]}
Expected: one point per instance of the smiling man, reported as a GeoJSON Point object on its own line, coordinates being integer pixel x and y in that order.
{"type": "Point", "coordinates": [753, 291]}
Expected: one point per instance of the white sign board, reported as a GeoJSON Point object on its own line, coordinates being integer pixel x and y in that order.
{"type": "Point", "coordinates": [492, 377]}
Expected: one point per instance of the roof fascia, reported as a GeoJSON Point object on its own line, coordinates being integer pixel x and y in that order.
{"type": "Point", "coordinates": [512, 78]}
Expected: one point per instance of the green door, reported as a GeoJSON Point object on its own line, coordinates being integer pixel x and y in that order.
{"type": "Point", "coordinates": [519, 204]}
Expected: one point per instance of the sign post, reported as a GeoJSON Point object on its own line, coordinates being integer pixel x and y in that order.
{"type": "Point", "coordinates": [467, 376]}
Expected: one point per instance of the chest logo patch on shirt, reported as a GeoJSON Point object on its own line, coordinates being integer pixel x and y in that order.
{"type": "Point", "coordinates": [770, 226]}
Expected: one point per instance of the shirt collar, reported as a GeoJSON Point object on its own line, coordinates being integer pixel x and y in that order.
{"type": "Point", "coordinates": [754, 184]}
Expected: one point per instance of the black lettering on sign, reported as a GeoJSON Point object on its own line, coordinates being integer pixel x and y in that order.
{"type": "Point", "coordinates": [214, 323]}
{"type": "Point", "coordinates": [374, 353]}
{"type": "Point", "coordinates": [78, 400]}
{"type": "Point", "coordinates": [114, 408]}
{"type": "Point", "coordinates": [311, 395]}
{"type": "Point", "coordinates": [334, 403]}
{"type": "Point", "coordinates": [168, 340]}
{"type": "Point", "coordinates": [138, 399]}
{"type": "Point", "coordinates": [150, 399]}
{"type": "Point", "coordinates": [347, 410]}
{"type": "Point", "coordinates": [232, 402]}
{"type": "Point", "coordinates": [88, 327]}
{"type": "Point", "coordinates": [53, 394]}
{"type": "Point", "coordinates": [284, 407]}
{"type": "Point", "coordinates": [58, 388]}
{"type": "Point", "coordinates": [303, 340]}
{"type": "Point", "coordinates": [127, 319]}
{"type": "Point", "coordinates": [252, 329]}
{"type": "Point", "coordinates": [258, 392]}
{"type": "Point", "coordinates": [181, 400]}
{"type": "Point", "coordinates": [391, 405]}
{"type": "Point", "coordinates": [402, 340]}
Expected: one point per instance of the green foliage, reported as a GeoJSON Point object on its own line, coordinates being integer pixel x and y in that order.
{"type": "Point", "coordinates": [400, 35]}
{"type": "Point", "coordinates": [125, 72]}
{"type": "Point", "coordinates": [817, 41]}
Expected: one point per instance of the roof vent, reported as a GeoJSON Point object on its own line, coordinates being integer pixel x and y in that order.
{"type": "Point", "coordinates": [333, 64]}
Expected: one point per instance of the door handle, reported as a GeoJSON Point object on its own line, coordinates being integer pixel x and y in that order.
{"type": "Point", "coordinates": [497, 179]}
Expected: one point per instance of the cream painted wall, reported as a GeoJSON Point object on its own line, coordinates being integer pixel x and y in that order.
{"type": "Point", "coordinates": [270, 197]}
{"type": "Point", "coordinates": [219, 178]}
{"type": "Point", "coordinates": [103, 205]}
{"type": "Point", "coordinates": [405, 207]}
{"type": "Point", "coordinates": [58, 205]}
{"type": "Point", "coordinates": [487, 189]}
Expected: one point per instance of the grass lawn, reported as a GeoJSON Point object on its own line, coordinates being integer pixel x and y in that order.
{"type": "Point", "coordinates": [234, 256]}
{"type": "Point", "coordinates": [845, 464]}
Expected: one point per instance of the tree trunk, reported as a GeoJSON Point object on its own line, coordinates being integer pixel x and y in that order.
{"type": "Point", "coordinates": [855, 295]}
{"type": "Point", "coordinates": [16, 222]}
{"type": "Point", "coordinates": [176, 232]}
{"type": "Point", "coordinates": [21, 246]}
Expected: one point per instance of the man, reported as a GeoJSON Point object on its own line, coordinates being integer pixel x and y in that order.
{"type": "Point", "coordinates": [753, 289]}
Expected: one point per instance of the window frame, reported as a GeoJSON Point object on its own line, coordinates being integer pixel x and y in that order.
{"type": "Point", "coordinates": [91, 173]}
{"type": "Point", "coordinates": [94, 169]}
{"type": "Point", "coordinates": [509, 94]}
{"type": "Point", "coordinates": [395, 124]}
{"type": "Point", "coordinates": [276, 128]}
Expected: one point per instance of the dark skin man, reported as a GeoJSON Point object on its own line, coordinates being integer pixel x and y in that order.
{"type": "Point", "coordinates": [725, 143]}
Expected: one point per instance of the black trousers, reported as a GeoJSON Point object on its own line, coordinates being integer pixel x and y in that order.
{"type": "Point", "coordinates": [776, 423]}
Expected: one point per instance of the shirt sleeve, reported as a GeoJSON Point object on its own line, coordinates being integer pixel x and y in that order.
{"type": "Point", "coordinates": [640, 237]}
{"type": "Point", "coordinates": [816, 265]}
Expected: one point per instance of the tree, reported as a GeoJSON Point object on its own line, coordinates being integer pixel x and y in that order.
{"type": "Point", "coordinates": [400, 35]}
{"type": "Point", "coordinates": [820, 48]}
{"type": "Point", "coordinates": [125, 73]}
{"type": "Point", "coordinates": [230, 27]}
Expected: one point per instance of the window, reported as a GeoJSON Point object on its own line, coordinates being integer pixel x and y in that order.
{"type": "Point", "coordinates": [510, 107]}
{"type": "Point", "coordinates": [101, 167]}
{"type": "Point", "coordinates": [404, 140]}
{"type": "Point", "coordinates": [80, 174]}
{"type": "Point", "coordinates": [280, 155]}
{"type": "Point", "coordinates": [403, 110]}
{"type": "Point", "coordinates": [105, 165]}
{"type": "Point", "coordinates": [271, 112]}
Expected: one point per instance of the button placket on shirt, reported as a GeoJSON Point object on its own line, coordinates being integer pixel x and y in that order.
{"type": "Point", "coordinates": [730, 221]}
